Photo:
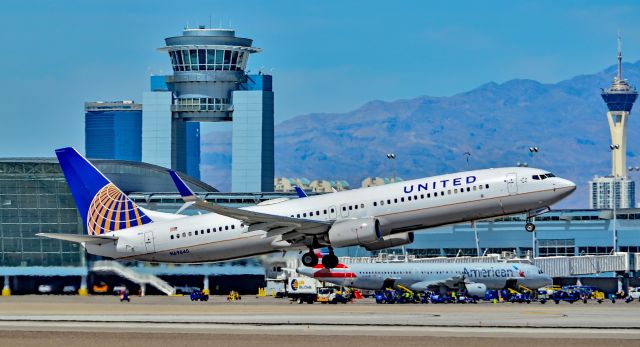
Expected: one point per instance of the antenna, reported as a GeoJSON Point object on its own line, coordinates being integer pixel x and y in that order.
{"type": "Point", "coordinates": [619, 56]}
{"type": "Point", "coordinates": [209, 21]}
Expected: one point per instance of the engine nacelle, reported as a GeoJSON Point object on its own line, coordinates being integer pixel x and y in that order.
{"type": "Point", "coordinates": [476, 290]}
{"type": "Point", "coordinates": [392, 240]}
{"type": "Point", "coordinates": [355, 232]}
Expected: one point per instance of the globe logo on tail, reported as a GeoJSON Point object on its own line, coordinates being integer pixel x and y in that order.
{"type": "Point", "coordinates": [111, 210]}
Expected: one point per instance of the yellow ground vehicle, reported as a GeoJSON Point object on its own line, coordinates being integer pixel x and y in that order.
{"type": "Point", "coordinates": [234, 296]}
{"type": "Point", "coordinates": [329, 295]}
{"type": "Point", "coordinates": [100, 288]}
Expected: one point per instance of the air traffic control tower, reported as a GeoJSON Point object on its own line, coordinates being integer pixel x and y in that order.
{"type": "Point", "coordinates": [209, 84]}
{"type": "Point", "coordinates": [618, 188]}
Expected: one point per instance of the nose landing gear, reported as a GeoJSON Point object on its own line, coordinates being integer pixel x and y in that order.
{"type": "Point", "coordinates": [530, 227]}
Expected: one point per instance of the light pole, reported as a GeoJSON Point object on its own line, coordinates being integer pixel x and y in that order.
{"type": "Point", "coordinates": [615, 195]}
{"type": "Point", "coordinates": [392, 156]}
{"type": "Point", "coordinates": [467, 154]}
{"type": "Point", "coordinates": [475, 234]}
{"type": "Point", "coordinates": [533, 151]}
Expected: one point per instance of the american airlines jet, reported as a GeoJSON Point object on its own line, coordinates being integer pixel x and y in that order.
{"type": "Point", "coordinates": [373, 218]}
{"type": "Point", "coordinates": [476, 278]}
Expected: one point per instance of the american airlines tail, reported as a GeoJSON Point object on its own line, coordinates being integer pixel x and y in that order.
{"type": "Point", "coordinates": [103, 207]}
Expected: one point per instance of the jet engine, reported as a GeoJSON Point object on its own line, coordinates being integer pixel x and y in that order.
{"type": "Point", "coordinates": [476, 290]}
{"type": "Point", "coordinates": [355, 232]}
{"type": "Point", "coordinates": [392, 240]}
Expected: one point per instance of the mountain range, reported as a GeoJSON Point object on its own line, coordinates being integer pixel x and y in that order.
{"type": "Point", "coordinates": [495, 123]}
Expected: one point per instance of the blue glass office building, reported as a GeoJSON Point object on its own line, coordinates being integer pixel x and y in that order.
{"type": "Point", "coordinates": [113, 130]}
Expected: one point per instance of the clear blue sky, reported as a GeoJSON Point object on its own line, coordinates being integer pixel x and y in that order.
{"type": "Point", "coordinates": [326, 56]}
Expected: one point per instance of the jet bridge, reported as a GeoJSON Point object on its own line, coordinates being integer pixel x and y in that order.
{"type": "Point", "coordinates": [553, 266]}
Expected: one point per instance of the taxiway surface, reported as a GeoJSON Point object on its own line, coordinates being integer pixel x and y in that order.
{"type": "Point", "coordinates": [72, 320]}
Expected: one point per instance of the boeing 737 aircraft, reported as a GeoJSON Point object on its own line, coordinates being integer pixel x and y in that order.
{"type": "Point", "coordinates": [375, 218]}
{"type": "Point", "coordinates": [476, 278]}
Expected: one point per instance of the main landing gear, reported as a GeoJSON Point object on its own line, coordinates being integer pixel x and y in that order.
{"type": "Point", "coordinates": [310, 259]}
{"type": "Point", "coordinates": [329, 261]}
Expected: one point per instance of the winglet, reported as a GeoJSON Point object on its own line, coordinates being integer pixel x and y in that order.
{"type": "Point", "coordinates": [301, 193]}
{"type": "Point", "coordinates": [185, 192]}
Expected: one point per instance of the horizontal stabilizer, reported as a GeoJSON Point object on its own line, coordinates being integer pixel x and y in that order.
{"type": "Point", "coordinates": [91, 239]}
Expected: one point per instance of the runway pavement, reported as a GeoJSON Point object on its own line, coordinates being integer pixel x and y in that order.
{"type": "Point", "coordinates": [33, 320]}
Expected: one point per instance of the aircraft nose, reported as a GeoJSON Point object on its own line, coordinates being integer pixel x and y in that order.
{"type": "Point", "coordinates": [563, 186]}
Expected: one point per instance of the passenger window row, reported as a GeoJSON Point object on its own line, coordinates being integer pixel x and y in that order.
{"type": "Point", "coordinates": [409, 272]}
{"type": "Point", "coordinates": [207, 231]}
{"type": "Point", "coordinates": [352, 207]}
{"type": "Point", "coordinates": [311, 214]}
{"type": "Point", "coordinates": [428, 195]}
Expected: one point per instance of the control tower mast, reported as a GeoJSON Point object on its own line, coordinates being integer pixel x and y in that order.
{"type": "Point", "coordinates": [619, 97]}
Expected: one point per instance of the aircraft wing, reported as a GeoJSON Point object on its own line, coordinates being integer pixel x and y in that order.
{"type": "Point", "coordinates": [268, 221]}
{"type": "Point", "coordinates": [448, 282]}
{"type": "Point", "coordinates": [92, 239]}
{"type": "Point", "coordinates": [303, 226]}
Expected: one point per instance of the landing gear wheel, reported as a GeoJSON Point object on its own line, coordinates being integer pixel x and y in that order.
{"type": "Point", "coordinates": [310, 259]}
{"type": "Point", "coordinates": [530, 227]}
{"type": "Point", "coordinates": [330, 261]}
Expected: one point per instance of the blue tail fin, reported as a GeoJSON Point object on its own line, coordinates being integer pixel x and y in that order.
{"type": "Point", "coordinates": [301, 193]}
{"type": "Point", "coordinates": [102, 206]}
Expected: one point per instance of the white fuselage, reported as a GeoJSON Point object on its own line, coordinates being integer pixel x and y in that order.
{"type": "Point", "coordinates": [376, 276]}
{"type": "Point", "coordinates": [403, 206]}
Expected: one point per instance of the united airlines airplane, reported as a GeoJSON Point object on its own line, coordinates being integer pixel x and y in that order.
{"type": "Point", "coordinates": [476, 278]}
{"type": "Point", "coordinates": [374, 218]}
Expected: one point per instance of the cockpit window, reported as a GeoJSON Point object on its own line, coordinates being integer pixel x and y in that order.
{"type": "Point", "coordinates": [543, 176]}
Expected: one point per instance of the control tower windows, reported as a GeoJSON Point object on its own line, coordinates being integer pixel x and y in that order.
{"type": "Point", "coordinates": [194, 59]}
{"type": "Point", "coordinates": [234, 59]}
{"type": "Point", "coordinates": [211, 58]}
{"type": "Point", "coordinates": [202, 59]}
{"type": "Point", "coordinates": [208, 59]}
{"type": "Point", "coordinates": [186, 60]}
{"type": "Point", "coordinates": [227, 60]}
{"type": "Point", "coordinates": [202, 104]}
{"type": "Point", "coordinates": [219, 58]}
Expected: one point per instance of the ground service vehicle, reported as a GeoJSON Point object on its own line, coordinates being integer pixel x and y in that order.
{"type": "Point", "coordinates": [198, 295]}
{"type": "Point", "coordinates": [329, 295]}
{"type": "Point", "coordinates": [302, 289]}
{"type": "Point", "coordinates": [100, 288]}
{"type": "Point", "coordinates": [634, 293]}
{"type": "Point", "coordinates": [45, 289]}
